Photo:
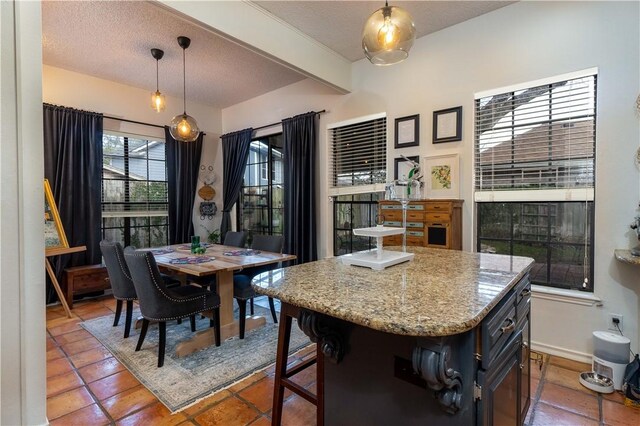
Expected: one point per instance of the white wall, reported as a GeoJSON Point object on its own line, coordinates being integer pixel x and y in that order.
{"type": "Point", "coordinates": [71, 89]}
{"type": "Point", "coordinates": [22, 282]}
{"type": "Point", "coordinates": [519, 43]}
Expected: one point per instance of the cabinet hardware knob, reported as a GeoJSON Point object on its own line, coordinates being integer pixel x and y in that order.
{"type": "Point", "coordinates": [521, 366]}
{"type": "Point", "coordinates": [509, 327]}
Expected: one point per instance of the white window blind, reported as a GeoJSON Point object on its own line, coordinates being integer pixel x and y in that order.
{"type": "Point", "coordinates": [134, 177]}
{"type": "Point", "coordinates": [537, 143]}
{"type": "Point", "coordinates": [358, 155]}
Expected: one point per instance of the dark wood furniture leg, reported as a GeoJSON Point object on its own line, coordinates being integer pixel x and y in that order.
{"type": "Point", "coordinates": [162, 341]}
{"type": "Point", "coordinates": [143, 333]}
{"type": "Point", "coordinates": [116, 319]}
{"type": "Point", "coordinates": [127, 318]}
{"type": "Point", "coordinates": [242, 304]}
{"type": "Point", "coordinates": [282, 377]}
{"type": "Point", "coordinates": [272, 307]}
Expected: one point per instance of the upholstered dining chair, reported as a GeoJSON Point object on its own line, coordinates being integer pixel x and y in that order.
{"type": "Point", "coordinates": [162, 304]}
{"type": "Point", "coordinates": [242, 290]}
{"type": "Point", "coordinates": [121, 283]}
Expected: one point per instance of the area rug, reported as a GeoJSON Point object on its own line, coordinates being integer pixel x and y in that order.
{"type": "Point", "coordinates": [183, 381]}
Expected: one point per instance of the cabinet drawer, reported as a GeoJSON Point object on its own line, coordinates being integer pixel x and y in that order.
{"type": "Point", "coordinates": [523, 289]}
{"type": "Point", "coordinates": [394, 206]}
{"type": "Point", "coordinates": [414, 241]}
{"type": "Point", "coordinates": [438, 217]}
{"type": "Point", "coordinates": [497, 328]}
{"type": "Point", "coordinates": [438, 207]}
{"type": "Point", "coordinates": [419, 207]}
{"type": "Point", "coordinates": [393, 223]}
{"type": "Point", "coordinates": [393, 240]}
{"type": "Point", "coordinates": [93, 281]}
{"type": "Point", "coordinates": [418, 225]}
{"type": "Point", "coordinates": [415, 215]}
{"type": "Point", "coordinates": [391, 214]}
{"type": "Point", "coordinates": [415, 234]}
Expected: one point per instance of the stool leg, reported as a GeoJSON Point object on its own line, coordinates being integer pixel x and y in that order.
{"type": "Point", "coordinates": [273, 310]}
{"type": "Point", "coordinates": [284, 334]}
{"type": "Point", "coordinates": [118, 312]}
{"type": "Point", "coordinates": [319, 387]}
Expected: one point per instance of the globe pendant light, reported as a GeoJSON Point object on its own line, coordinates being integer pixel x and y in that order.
{"type": "Point", "coordinates": [184, 128]}
{"type": "Point", "coordinates": [157, 99]}
{"type": "Point", "coordinates": [388, 35]}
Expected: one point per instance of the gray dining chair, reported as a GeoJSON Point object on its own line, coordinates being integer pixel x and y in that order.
{"type": "Point", "coordinates": [162, 304]}
{"type": "Point", "coordinates": [121, 283]}
{"type": "Point", "coordinates": [242, 290]}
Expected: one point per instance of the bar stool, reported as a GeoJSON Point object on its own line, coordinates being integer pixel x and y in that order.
{"type": "Point", "coordinates": [282, 377]}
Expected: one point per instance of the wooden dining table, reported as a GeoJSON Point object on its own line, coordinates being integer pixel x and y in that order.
{"type": "Point", "coordinates": [221, 261]}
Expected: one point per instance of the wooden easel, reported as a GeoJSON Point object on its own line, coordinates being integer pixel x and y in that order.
{"type": "Point", "coordinates": [57, 251]}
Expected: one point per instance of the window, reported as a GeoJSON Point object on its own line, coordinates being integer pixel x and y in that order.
{"type": "Point", "coordinates": [134, 191]}
{"type": "Point", "coordinates": [358, 172]}
{"type": "Point", "coordinates": [535, 174]}
{"type": "Point", "coordinates": [349, 212]}
{"type": "Point", "coordinates": [260, 209]}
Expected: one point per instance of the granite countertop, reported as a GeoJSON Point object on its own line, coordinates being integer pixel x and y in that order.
{"type": "Point", "coordinates": [439, 293]}
{"type": "Point", "coordinates": [626, 257]}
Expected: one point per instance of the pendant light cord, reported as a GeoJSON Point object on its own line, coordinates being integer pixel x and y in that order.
{"type": "Point", "coordinates": [184, 82]}
{"type": "Point", "coordinates": [157, 84]}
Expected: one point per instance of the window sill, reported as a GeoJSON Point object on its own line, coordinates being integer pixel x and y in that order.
{"type": "Point", "coordinates": [566, 296]}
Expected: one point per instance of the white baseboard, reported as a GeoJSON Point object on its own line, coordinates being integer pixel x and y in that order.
{"type": "Point", "coordinates": [561, 352]}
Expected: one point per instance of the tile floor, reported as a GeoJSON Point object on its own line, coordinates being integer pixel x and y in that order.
{"type": "Point", "coordinates": [87, 386]}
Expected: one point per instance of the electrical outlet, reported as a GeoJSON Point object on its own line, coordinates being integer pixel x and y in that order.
{"type": "Point", "coordinates": [612, 324]}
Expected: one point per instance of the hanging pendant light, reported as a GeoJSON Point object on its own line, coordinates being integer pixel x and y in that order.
{"type": "Point", "coordinates": [157, 99]}
{"type": "Point", "coordinates": [388, 35]}
{"type": "Point", "coordinates": [184, 128]}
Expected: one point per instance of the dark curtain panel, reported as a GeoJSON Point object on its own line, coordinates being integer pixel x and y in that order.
{"type": "Point", "coordinates": [299, 152]}
{"type": "Point", "coordinates": [235, 151]}
{"type": "Point", "coordinates": [183, 165]}
{"type": "Point", "coordinates": [73, 165]}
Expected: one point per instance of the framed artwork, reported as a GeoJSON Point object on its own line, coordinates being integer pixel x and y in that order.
{"type": "Point", "coordinates": [447, 125]}
{"type": "Point", "coordinates": [54, 236]}
{"type": "Point", "coordinates": [407, 130]}
{"type": "Point", "coordinates": [442, 176]}
{"type": "Point", "coordinates": [401, 167]}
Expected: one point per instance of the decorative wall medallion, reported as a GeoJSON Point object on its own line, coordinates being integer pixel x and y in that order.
{"type": "Point", "coordinates": [207, 193]}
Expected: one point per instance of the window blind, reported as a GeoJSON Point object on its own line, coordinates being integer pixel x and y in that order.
{"type": "Point", "coordinates": [134, 177]}
{"type": "Point", "coordinates": [537, 143]}
{"type": "Point", "coordinates": [358, 157]}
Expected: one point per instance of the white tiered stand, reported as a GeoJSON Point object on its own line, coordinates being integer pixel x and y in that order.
{"type": "Point", "coordinates": [377, 258]}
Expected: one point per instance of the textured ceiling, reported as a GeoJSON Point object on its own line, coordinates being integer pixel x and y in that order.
{"type": "Point", "coordinates": [338, 24]}
{"type": "Point", "coordinates": [112, 40]}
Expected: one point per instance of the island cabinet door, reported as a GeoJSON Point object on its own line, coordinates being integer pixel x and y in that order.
{"type": "Point", "coordinates": [499, 402]}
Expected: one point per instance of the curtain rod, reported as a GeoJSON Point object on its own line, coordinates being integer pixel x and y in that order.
{"type": "Point", "coordinates": [139, 122]}
{"type": "Point", "coordinates": [280, 122]}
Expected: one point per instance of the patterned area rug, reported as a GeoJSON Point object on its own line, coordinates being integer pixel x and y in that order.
{"type": "Point", "coordinates": [182, 382]}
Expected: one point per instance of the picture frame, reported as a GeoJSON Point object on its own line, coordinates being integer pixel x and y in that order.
{"type": "Point", "coordinates": [407, 131]}
{"type": "Point", "coordinates": [442, 176]}
{"type": "Point", "coordinates": [447, 125]}
{"type": "Point", "coordinates": [54, 236]}
{"type": "Point", "coordinates": [402, 167]}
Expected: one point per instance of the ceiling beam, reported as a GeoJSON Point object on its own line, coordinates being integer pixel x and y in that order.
{"type": "Point", "coordinates": [254, 28]}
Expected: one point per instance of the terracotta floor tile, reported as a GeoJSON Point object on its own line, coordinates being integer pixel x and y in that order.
{"type": "Point", "coordinates": [617, 414]}
{"type": "Point", "coordinates": [156, 415]}
{"type": "Point", "coordinates": [73, 336]}
{"type": "Point", "coordinates": [58, 366]}
{"type": "Point", "coordinates": [534, 387]}
{"type": "Point", "coordinates": [97, 312]}
{"type": "Point", "coordinates": [535, 370]}
{"type": "Point", "coordinates": [546, 415]}
{"type": "Point", "coordinates": [66, 326]}
{"type": "Point", "coordinates": [260, 394]}
{"type": "Point", "coordinates": [90, 415]}
{"type": "Point", "coordinates": [262, 421]}
{"type": "Point", "coordinates": [68, 402]}
{"type": "Point", "coordinates": [127, 402]}
{"type": "Point", "coordinates": [55, 353]}
{"type": "Point", "coordinates": [230, 412]}
{"type": "Point", "coordinates": [569, 364]}
{"type": "Point", "coordinates": [297, 411]}
{"type": "Point", "coordinates": [51, 344]}
{"type": "Point", "coordinates": [89, 357]}
{"type": "Point", "coordinates": [80, 345]}
{"type": "Point", "coordinates": [248, 381]}
{"type": "Point", "coordinates": [100, 369]}
{"type": "Point", "coordinates": [51, 315]}
{"type": "Point", "coordinates": [570, 400]}
{"type": "Point", "coordinates": [306, 376]}
{"type": "Point", "coordinates": [614, 396]}
{"type": "Point", "coordinates": [114, 384]}
{"type": "Point", "coordinates": [566, 378]}
{"type": "Point", "coordinates": [63, 383]}
{"type": "Point", "coordinates": [111, 304]}
{"type": "Point", "coordinates": [208, 401]}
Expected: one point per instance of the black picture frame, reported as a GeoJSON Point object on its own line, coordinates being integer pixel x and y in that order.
{"type": "Point", "coordinates": [398, 160]}
{"type": "Point", "coordinates": [446, 134]}
{"type": "Point", "coordinates": [404, 136]}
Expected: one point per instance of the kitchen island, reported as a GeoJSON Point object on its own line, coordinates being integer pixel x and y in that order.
{"type": "Point", "coordinates": [443, 339]}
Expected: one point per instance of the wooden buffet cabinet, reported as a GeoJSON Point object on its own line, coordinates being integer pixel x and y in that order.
{"type": "Point", "coordinates": [430, 223]}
